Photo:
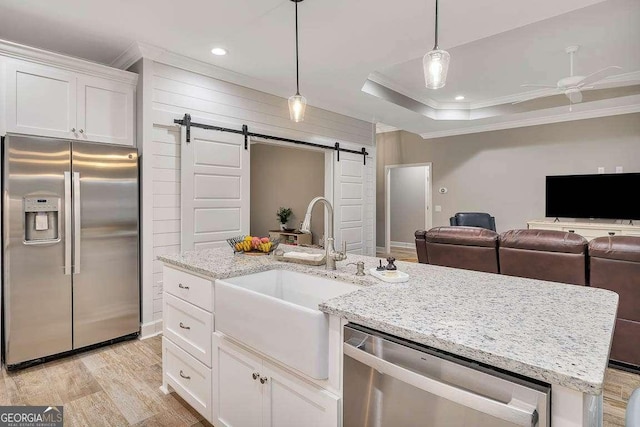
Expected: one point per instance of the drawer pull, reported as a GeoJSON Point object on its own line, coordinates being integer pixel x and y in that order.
{"type": "Point", "coordinates": [184, 376]}
{"type": "Point", "coordinates": [572, 231]}
{"type": "Point", "coordinates": [181, 286]}
{"type": "Point", "coordinates": [612, 233]}
{"type": "Point", "coordinates": [184, 327]}
{"type": "Point", "coordinates": [255, 375]}
{"type": "Point", "coordinates": [263, 380]}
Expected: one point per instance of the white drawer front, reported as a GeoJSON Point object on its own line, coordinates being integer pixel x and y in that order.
{"type": "Point", "coordinates": [189, 327]}
{"type": "Point", "coordinates": [190, 288]}
{"type": "Point", "coordinates": [188, 377]}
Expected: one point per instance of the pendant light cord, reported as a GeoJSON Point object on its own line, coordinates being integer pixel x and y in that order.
{"type": "Point", "coordinates": [435, 46]}
{"type": "Point", "coordinates": [297, 61]}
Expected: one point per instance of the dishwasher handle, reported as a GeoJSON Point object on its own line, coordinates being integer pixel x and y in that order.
{"type": "Point", "coordinates": [505, 411]}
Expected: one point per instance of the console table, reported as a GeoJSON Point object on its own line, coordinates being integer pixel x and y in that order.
{"type": "Point", "coordinates": [590, 230]}
{"type": "Point", "coordinates": [291, 238]}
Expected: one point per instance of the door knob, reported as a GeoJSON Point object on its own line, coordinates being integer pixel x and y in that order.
{"type": "Point", "coordinates": [73, 130]}
{"type": "Point", "coordinates": [263, 380]}
{"type": "Point", "coordinates": [255, 375]}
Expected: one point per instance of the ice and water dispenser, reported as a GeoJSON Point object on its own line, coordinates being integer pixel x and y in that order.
{"type": "Point", "coordinates": [41, 219]}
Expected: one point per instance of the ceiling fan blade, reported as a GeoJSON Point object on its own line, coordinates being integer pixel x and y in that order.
{"type": "Point", "coordinates": [537, 85]}
{"type": "Point", "coordinates": [539, 94]}
{"type": "Point", "coordinates": [574, 97]}
{"type": "Point", "coordinates": [599, 75]}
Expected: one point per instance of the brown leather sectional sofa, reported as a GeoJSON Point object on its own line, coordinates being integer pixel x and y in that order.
{"type": "Point", "coordinates": [606, 262]}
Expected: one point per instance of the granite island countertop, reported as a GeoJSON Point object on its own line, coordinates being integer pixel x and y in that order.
{"type": "Point", "coordinates": [557, 333]}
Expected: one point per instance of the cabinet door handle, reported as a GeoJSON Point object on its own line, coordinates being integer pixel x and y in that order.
{"type": "Point", "coordinates": [263, 380]}
{"type": "Point", "coordinates": [184, 376]}
{"type": "Point", "coordinates": [255, 375]}
{"type": "Point", "coordinates": [73, 130]}
{"type": "Point", "coordinates": [572, 231]}
{"type": "Point", "coordinates": [81, 130]}
{"type": "Point", "coordinates": [184, 327]}
{"type": "Point", "coordinates": [181, 286]}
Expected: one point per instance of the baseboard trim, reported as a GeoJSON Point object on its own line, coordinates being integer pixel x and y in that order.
{"type": "Point", "coordinates": [403, 245]}
{"type": "Point", "coordinates": [151, 329]}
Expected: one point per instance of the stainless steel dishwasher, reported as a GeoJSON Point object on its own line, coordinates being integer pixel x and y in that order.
{"type": "Point", "coordinates": [390, 382]}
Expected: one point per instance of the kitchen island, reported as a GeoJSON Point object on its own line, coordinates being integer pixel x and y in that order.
{"type": "Point", "coordinates": [554, 333]}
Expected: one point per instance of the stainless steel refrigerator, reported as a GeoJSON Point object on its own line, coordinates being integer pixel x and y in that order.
{"type": "Point", "coordinates": [70, 246]}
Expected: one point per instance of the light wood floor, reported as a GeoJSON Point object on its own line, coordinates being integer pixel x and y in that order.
{"type": "Point", "coordinates": [401, 254]}
{"type": "Point", "coordinates": [112, 386]}
{"type": "Point", "coordinates": [118, 386]}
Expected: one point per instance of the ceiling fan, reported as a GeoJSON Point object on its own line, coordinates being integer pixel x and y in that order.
{"type": "Point", "coordinates": [572, 86]}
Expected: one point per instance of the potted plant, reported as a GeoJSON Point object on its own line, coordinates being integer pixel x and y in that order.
{"type": "Point", "coordinates": [283, 215]}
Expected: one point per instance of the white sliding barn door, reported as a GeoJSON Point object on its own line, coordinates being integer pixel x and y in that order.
{"type": "Point", "coordinates": [214, 188]}
{"type": "Point", "coordinates": [354, 203]}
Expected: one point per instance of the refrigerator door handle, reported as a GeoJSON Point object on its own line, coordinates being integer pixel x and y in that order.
{"type": "Point", "coordinates": [67, 223]}
{"type": "Point", "coordinates": [76, 222]}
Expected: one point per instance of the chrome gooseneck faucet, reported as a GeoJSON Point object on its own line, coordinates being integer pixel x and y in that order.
{"type": "Point", "coordinates": [331, 254]}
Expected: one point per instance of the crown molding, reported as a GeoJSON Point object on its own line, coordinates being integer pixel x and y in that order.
{"type": "Point", "coordinates": [44, 57]}
{"type": "Point", "coordinates": [177, 60]}
{"type": "Point", "coordinates": [534, 121]}
{"type": "Point", "coordinates": [128, 57]}
{"type": "Point", "coordinates": [383, 128]}
{"type": "Point", "coordinates": [395, 86]}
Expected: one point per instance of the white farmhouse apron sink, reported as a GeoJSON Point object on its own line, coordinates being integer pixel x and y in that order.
{"type": "Point", "coordinates": [276, 312]}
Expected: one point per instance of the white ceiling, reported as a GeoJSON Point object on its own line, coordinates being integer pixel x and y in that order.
{"type": "Point", "coordinates": [342, 42]}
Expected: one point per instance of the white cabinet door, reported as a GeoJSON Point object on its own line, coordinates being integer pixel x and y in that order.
{"type": "Point", "coordinates": [291, 402]}
{"type": "Point", "coordinates": [237, 391]}
{"type": "Point", "coordinates": [214, 188]}
{"type": "Point", "coordinates": [105, 111]}
{"type": "Point", "coordinates": [41, 100]}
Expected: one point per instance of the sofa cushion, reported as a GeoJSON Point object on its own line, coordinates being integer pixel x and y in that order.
{"type": "Point", "coordinates": [544, 240]}
{"type": "Point", "coordinates": [622, 248]}
{"type": "Point", "coordinates": [460, 235]}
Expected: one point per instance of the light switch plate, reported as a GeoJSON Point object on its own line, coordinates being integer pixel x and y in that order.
{"type": "Point", "coordinates": [438, 208]}
{"type": "Point", "coordinates": [601, 169]}
{"type": "Point", "coordinates": [618, 169]}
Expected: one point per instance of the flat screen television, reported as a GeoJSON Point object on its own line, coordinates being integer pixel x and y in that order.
{"type": "Point", "coordinates": [607, 196]}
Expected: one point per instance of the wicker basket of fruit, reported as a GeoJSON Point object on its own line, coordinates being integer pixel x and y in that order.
{"type": "Point", "coordinates": [253, 245]}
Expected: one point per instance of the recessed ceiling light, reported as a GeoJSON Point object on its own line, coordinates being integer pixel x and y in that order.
{"type": "Point", "coordinates": [219, 51]}
{"type": "Point", "coordinates": [459, 98]}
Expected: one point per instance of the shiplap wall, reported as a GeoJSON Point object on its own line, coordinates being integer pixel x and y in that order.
{"type": "Point", "coordinates": [174, 92]}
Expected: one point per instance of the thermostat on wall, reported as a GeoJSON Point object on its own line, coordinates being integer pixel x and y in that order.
{"type": "Point", "coordinates": [443, 190]}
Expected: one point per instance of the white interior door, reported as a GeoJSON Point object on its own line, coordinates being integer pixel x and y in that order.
{"type": "Point", "coordinates": [214, 188]}
{"type": "Point", "coordinates": [354, 203]}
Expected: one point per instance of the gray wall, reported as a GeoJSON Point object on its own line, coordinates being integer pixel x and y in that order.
{"type": "Point", "coordinates": [503, 172]}
{"type": "Point", "coordinates": [407, 202]}
{"type": "Point", "coordinates": [288, 177]}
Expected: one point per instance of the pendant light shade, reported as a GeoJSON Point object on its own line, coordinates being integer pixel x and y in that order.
{"type": "Point", "coordinates": [436, 63]}
{"type": "Point", "coordinates": [297, 106]}
{"type": "Point", "coordinates": [297, 102]}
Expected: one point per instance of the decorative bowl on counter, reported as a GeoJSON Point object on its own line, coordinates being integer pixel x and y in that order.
{"type": "Point", "coordinates": [253, 245]}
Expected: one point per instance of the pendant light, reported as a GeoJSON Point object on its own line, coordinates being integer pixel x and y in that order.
{"type": "Point", "coordinates": [436, 63]}
{"type": "Point", "coordinates": [297, 102]}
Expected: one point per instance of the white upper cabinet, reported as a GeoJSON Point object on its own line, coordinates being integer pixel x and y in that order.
{"type": "Point", "coordinates": [41, 100]}
{"type": "Point", "coordinates": [105, 111]}
{"type": "Point", "coordinates": [51, 95]}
